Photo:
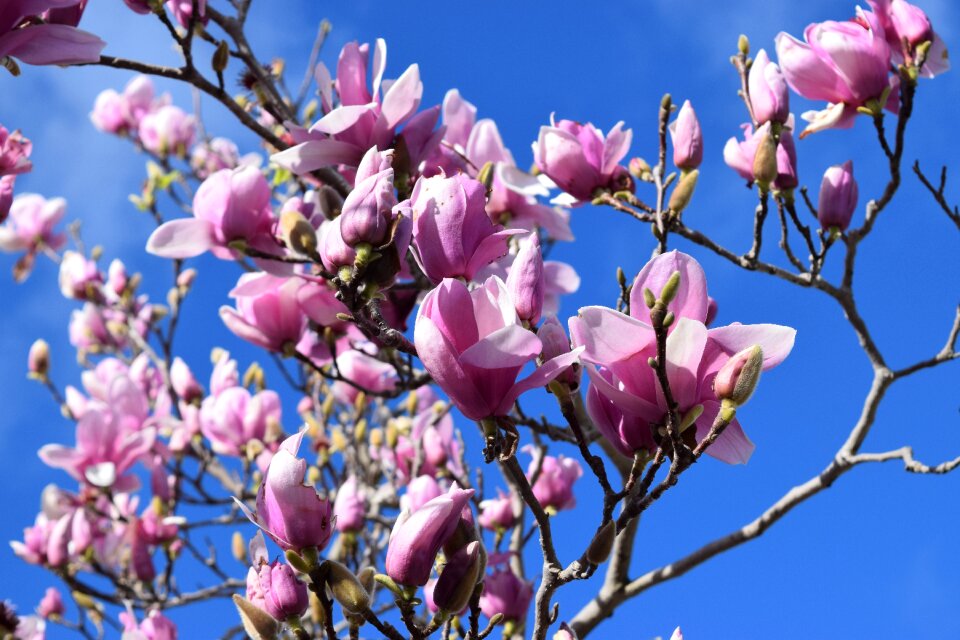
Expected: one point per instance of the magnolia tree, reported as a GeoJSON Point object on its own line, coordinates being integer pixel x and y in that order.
{"type": "Point", "coordinates": [391, 260]}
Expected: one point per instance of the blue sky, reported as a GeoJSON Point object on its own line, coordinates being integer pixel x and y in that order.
{"type": "Point", "coordinates": [873, 557]}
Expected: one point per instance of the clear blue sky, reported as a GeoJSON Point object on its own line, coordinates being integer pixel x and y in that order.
{"type": "Point", "coordinates": [874, 557]}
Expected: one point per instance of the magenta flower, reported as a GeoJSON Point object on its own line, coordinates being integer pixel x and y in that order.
{"type": "Point", "coordinates": [121, 113]}
{"type": "Point", "coordinates": [167, 130]}
{"type": "Point", "coordinates": [769, 97]}
{"type": "Point", "coordinates": [110, 440]}
{"type": "Point", "coordinates": [15, 153]}
{"type": "Point", "coordinates": [580, 159]}
{"type": "Point", "coordinates": [155, 626]}
{"type": "Point", "coordinates": [452, 234]}
{"type": "Point", "coordinates": [474, 346]}
{"type": "Point", "coordinates": [184, 383]}
{"type": "Point", "coordinates": [838, 197]}
{"type": "Point", "coordinates": [268, 312]}
{"type": "Point", "coordinates": [625, 400]}
{"type": "Point", "coordinates": [739, 156]}
{"type": "Point", "coordinates": [554, 485]}
{"type": "Point", "coordinates": [687, 139]}
{"type": "Point", "coordinates": [902, 20]}
{"type": "Point", "coordinates": [556, 343]}
{"type": "Point", "coordinates": [231, 205]}
{"type": "Point", "coordinates": [288, 511]}
{"type": "Point", "coordinates": [350, 506]}
{"type": "Point", "coordinates": [504, 592]}
{"type": "Point", "coordinates": [364, 118]}
{"type": "Point", "coordinates": [368, 209]}
{"type": "Point", "coordinates": [79, 277]}
{"type": "Point", "coordinates": [31, 222]}
{"type": "Point", "coordinates": [284, 594]}
{"type": "Point", "coordinates": [40, 44]}
{"type": "Point", "coordinates": [496, 514]}
{"type": "Point", "coordinates": [52, 604]}
{"type": "Point", "coordinates": [364, 371]}
{"type": "Point", "coordinates": [216, 155]}
{"type": "Point", "coordinates": [525, 281]}
{"type": "Point", "coordinates": [845, 63]}
{"type": "Point", "coordinates": [418, 536]}
{"type": "Point", "coordinates": [233, 418]}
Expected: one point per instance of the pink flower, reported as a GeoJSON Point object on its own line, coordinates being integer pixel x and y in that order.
{"type": "Point", "coordinates": [555, 344]}
{"type": "Point", "coordinates": [452, 234]}
{"type": "Point", "coordinates": [902, 20]}
{"type": "Point", "coordinates": [845, 63]}
{"type": "Point", "coordinates": [768, 91]}
{"type": "Point", "coordinates": [230, 206]}
{"type": "Point", "coordinates": [739, 156]}
{"type": "Point", "coordinates": [838, 197]}
{"type": "Point", "coordinates": [474, 346]}
{"type": "Point", "coordinates": [420, 491]}
{"type": "Point", "coordinates": [14, 153]}
{"type": "Point", "coordinates": [121, 113]}
{"type": "Point", "coordinates": [31, 223]}
{"type": "Point", "coordinates": [366, 372]}
{"type": "Point", "coordinates": [364, 118]}
{"type": "Point", "coordinates": [496, 514]}
{"type": "Point", "coordinates": [367, 210]}
{"type": "Point", "coordinates": [110, 440]}
{"type": "Point", "coordinates": [288, 511]}
{"type": "Point", "coordinates": [580, 159]}
{"type": "Point", "coordinates": [52, 604]}
{"type": "Point", "coordinates": [42, 44]}
{"type": "Point", "coordinates": [184, 384]}
{"type": "Point", "coordinates": [350, 506]}
{"type": "Point", "coordinates": [554, 485]}
{"type": "Point", "coordinates": [625, 400]}
{"type": "Point", "coordinates": [284, 595]}
{"type": "Point", "coordinates": [687, 139]}
{"type": "Point", "coordinates": [79, 277]}
{"type": "Point", "coordinates": [525, 281]}
{"type": "Point", "coordinates": [268, 312]}
{"type": "Point", "coordinates": [504, 592]}
{"type": "Point", "coordinates": [183, 11]}
{"type": "Point", "coordinates": [155, 626]}
{"type": "Point", "coordinates": [167, 130]}
{"type": "Point", "coordinates": [417, 536]}
{"type": "Point", "coordinates": [233, 418]}
{"type": "Point", "coordinates": [209, 157]}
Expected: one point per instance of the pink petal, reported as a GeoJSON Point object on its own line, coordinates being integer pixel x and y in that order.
{"type": "Point", "coordinates": [183, 238]}
{"type": "Point", "coordinates": [511, 346]}
{"type": "Point", "coordinates": [609, 336]}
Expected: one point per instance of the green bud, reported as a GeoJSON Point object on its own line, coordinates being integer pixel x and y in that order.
{"type": "Point", "coordinates": [670, 289]}
{"type": "Point", "coordinates": [258, 624]}
{"type": "Point", "coordinates": [738, 377]}
{"type": "Point", "coordinates": [648, 298]}
{"type": "Point", "coordinates": [221, 57]}
{"type": "Point", "coordinates": [743, 45]}
{"type": "Point", "coordinates": [668, 319]}
{"type": "Point", "coordinates": [765, 162]}
{"type": "Point", "coordinates": [346, 587]}
{"type": "Point", "coordinates": [683, 192]}
{"type": "Point", "coordinates": [485, 176]}
{"type": "Point", "coordinates": [296, 561]}
{"type": "Point", "coordinates": [298, 233]}
{"type": "Point", "coordinates": [10, 65]}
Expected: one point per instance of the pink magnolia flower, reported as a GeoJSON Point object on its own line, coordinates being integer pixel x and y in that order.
{"type": "Point", "coordinates": [364, 371]}
{"type": "Point", "coordinates": [268, 312]}
{"type": "Point", "coordinates": [845, 63]}
{"type": "Point", "coordinates": [288, 511]}
{"type": "Point", "coordinates": [420, 491]}
{"type": "Point", "coordinates": [121, 113]}
{"type": "Point", "coordinates": [31, 628]}
{"type": "Point", "coordinates": [110, 440]}
{"type": "Point", "coordinates": [155, 626]}
{"type": "Point", "coordinates": [44, 43]}
{"type": "Point", "coordinates": [231, 205]}
{"type": "Point", "coordinates": [687, 139]}
{"type": "Point", "coordinates": [769, 97]}
{"type": "Point", "coordinates": [739, 156]}
{"type": "Point", "coordinates": [559, 279]}
{"type": "Point", "coordinates": [233, 418]}
{"type": "Point", "coordinates": [30, 226]}
{"type": "Point", "coordinates": [350, 506]}
{"type": "Point", "coordinates": [554, 485]}
{"type": "Point", "coordinates": [167, 130]}
{"type": "Point", "coordinates": [505, 593]}
{"type": "Point", "coordinates": [902, 20]}
{"type": "Point", "coordinates": [526, 281]}
{"type": "Point", "coordinates": [418, 536]}
{"type": "Point", "coordinates": [838, 197]}
{"type": "Point", "coordinates": [452, 234]}
{"type": "Point", "coordinates": [368, 209]}
{"type": "Point", "coordinates": [474, 346]}
{"type": "Point", "coordinates": [80, 279]}
{"type": "Point", "coordinates": [364, 118]}
{"type": "Point", "coordinates": [216, 155]}
{"type": "Point", "coordinates": [468, 145]}
{"type": "Point", "coordinates": [496, 514]}
{"type": "Point", "coordinates": [284, 595]}
{"type": "Point", "coordinates": [556, 343]}
{"type": "Point", "coordinates": [184, 384]}
{"type": "Point", "coordinates": [580, 159]}
{"type": "Point", "coordinates": [15, 153]}
{"type": "Point", "coordinates": [625, 400]}
{"type": "Point", "coordinates": [183, 11]}
{"type": "Point", "coordinates": [52, 604]}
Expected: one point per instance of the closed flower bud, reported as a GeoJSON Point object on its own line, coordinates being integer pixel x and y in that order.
{"type": "Point", "coordinates": [687, 139]}
{"type": "Point", "coordinates": [556, 343]}
{"type": "Point", "coordinates": [525, 280]}
{"type": "Point", "coordinates": [346, 587]}
{"type": "Point", "coordinates": [838, 197]}
{"type": "Point", "coordinates": [458, 579]}
{"type": "Point", "coordinates": [765, 162]}
{"type": "Point", "coordinates": [737, 379]}
{"type": "Point", "coordinates": [602, 543]}
{"type": "Point", "coordinates": [184, 383]}
{"type": "Point", "coordinates": [768, 91]}
{"type": "Point", "coordinates": [51, 606]}
{"type": "Point", "coordinates": [683, 192]}
{"type": "Point", "coordinates": [284, 594]}
{"type": "Point", "coordinates": [38, 360]}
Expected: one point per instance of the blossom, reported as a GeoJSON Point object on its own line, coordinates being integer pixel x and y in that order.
{"type": "Point", "coordinates": [232, 205]}
{"type": "Point", "coordinates": [268, 312]}
{"type": "Point", "coordinates": [418, 535]}
{"type": "Point", "coordinates": [554, 484]}
{"type": "Point", "coordinates": [497, 513]}
{"type": "Point", "coordinates": [625, 400]}
{"type": "Point", "coordinates": [350, 506]}
{"type": "Point", "coordinates": [474, 346]}
{"type": "Point", "coordinates": [580, 159]}
{"type": "Point", "coordinates": [769, 97]}
{"type": "Point", "coordinates": [15, 153]}
{"type": "Point", "coordinates": [845, 63]}
{"type": "Point", "coordinates": [121, 113]}
{"type": "Point", "coordinates": [505, 593]}
{"type": "Point", "coordinates": [234, 418]}
{"type": "Point", "coordinates": [902, 20]}
{"type": "Point", "coordinates": [288, 511]}
{"type": "Point", "coordinates": [687, 139]}
{"type": "Point", "coordinates": [740, 156]}
{"type": "Point", "coordinates": [838, 197]}
{"type": "Point", "coordinates": [284, 594]}
{"type": "Point", "coordinates": [44, 43]}
{"type": "Point", "coordinates": [167, 130]}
